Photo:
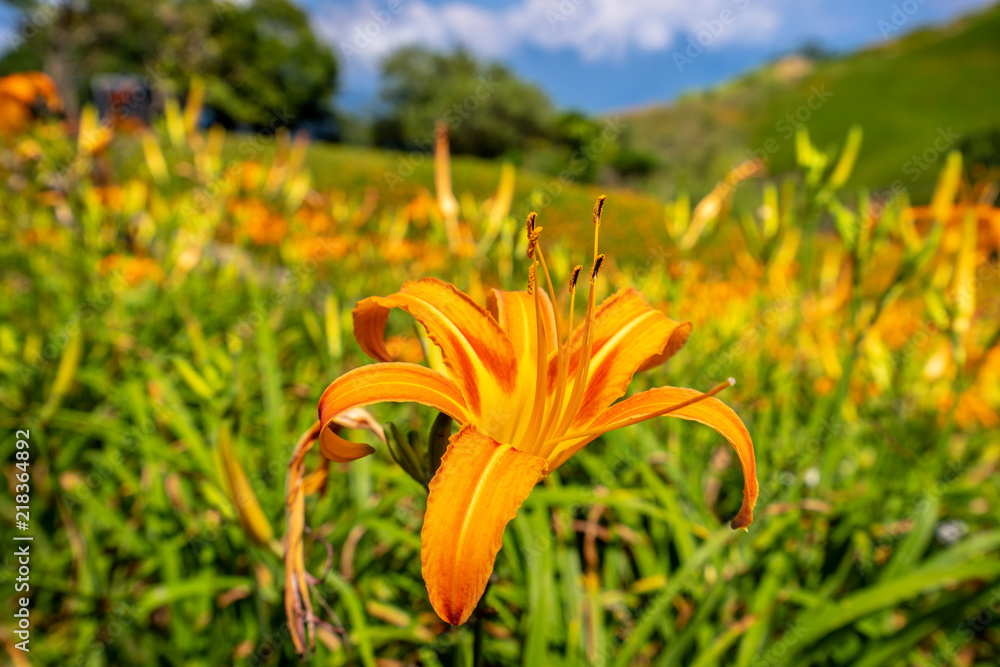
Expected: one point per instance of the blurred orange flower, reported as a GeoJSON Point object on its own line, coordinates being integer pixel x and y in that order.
{"type": "Point", "coordinates": [255, 219]}
{"type": "Point", "coordinates": [23, 97]}
{"type": "Point", "coordinates": [134, 269]}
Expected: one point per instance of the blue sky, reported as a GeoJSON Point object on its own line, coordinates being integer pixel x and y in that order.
{"type": "Point", "coordinates": [604, 55]}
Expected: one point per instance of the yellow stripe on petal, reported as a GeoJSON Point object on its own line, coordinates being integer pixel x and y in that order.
{"type": "Point", "coordinates": [711, 412]}
{"type": "Point", "coordinates": [479, 356]}
{"type": "Point", "coordinates": [475, 493]}
{"type": "Point", "coordinates": [515, 311]}
{"type": "Point", "coordinates": [378, 383]}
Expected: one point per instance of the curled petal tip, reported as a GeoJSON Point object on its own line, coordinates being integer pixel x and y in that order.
{"type": "Point", "coordinates": [743, 519]}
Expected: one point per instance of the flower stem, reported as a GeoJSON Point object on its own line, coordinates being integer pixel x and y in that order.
{"type": "Point", "coordinates": [477, 641]}
{"type": "Point", "coordinates": [478, 636]}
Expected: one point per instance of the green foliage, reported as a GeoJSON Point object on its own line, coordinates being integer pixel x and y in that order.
{"type": "Point", "coordinates": [634, 163]}
{"type": "Point", "coordinates": [269, 65]}
{"type": "Point", "coordinates": [261, 62]}
{"type": "Point", "coordinates": [876, 538]}
{"type": "Point", "coordinates": [489, 110]}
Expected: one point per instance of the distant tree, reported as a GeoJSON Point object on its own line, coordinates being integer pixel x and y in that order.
{"type": "Point", "coordinates": [631, 163]}
{"type": "Point", "coordinates": [488, 109]}
{"type": "Point", "coordinates": [267, 62]}
{"type": "Point", "coordinates": [573, 135]}
{"type": "Point", "coordinates": [813, 49]}
{"type": "Point", "coordinates": [260, 60]}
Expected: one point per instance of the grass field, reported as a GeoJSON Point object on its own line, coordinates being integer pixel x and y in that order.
{"type": "Point", "coordinates": [166, 330]}
{"type": "Point", "coordinates": [395, 179]}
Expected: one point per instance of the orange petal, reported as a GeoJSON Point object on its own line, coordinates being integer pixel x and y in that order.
{"type": "Point", "coordinates": [477, 353]}
{"type": "Point", "coordinates": [629, 336]}
{"type": "Point", "coordinates": [515, 311]}
{"type": "Point", "coordinates": [377, 383]}
{"type": "Point", "coordinates": [476, 491]}
{"type": "Point", "coordinates": [711, 412]}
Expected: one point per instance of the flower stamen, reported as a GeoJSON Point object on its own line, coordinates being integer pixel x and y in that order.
{"type": "Point", "coordinates": [572, 290]}
{"type": "Point", "coordinates": [597, 269]}
{"type": "Point", "coordinates": [583, 366]}
{"type": "Point", "coordinates": [561, 386]}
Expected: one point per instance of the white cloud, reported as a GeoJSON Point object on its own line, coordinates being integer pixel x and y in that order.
{"type": "Point", "coordinates": [596, 29]}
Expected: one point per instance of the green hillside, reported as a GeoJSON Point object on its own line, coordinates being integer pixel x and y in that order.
{"type": "Point", "coordinates": [906, 94]}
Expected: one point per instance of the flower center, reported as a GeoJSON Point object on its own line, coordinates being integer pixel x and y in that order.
{"type": "Point", "coordinates": [552, 413]}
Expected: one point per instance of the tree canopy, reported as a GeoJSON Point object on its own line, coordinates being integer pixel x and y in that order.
{"type": "Point", "coordinates": [259, 60]}
{"type": "Point", "coordinates": [489, 110]}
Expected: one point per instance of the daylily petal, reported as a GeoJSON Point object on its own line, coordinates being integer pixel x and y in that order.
{"type": "Point", "coordinates": [478, 355]}
{"type": "Point", "coordinates": [515, 312]}
{"type": "Point", "coordinates": [711, 412]}
{"type": "Point", "coordinates": [629, 336]}
{"type": "Point", "coordinates": [377, 383]}
{"type": "Point", "coordinates": [476, 491]}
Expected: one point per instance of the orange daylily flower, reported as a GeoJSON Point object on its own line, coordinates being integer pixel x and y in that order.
{"type": "Point", "coordinates": [24, 96]}
{"type": "Point", "coordinates": [526, 404]}
{"type": "Point", "coordinates": [134, 270]}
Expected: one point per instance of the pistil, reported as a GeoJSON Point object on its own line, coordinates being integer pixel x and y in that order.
{"type": "Point", "coordinates": [640, 418]}
{"type": "Point", "coordinates": [563, 368]}
{"type": "Point", "coordinates": [547, 424]}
